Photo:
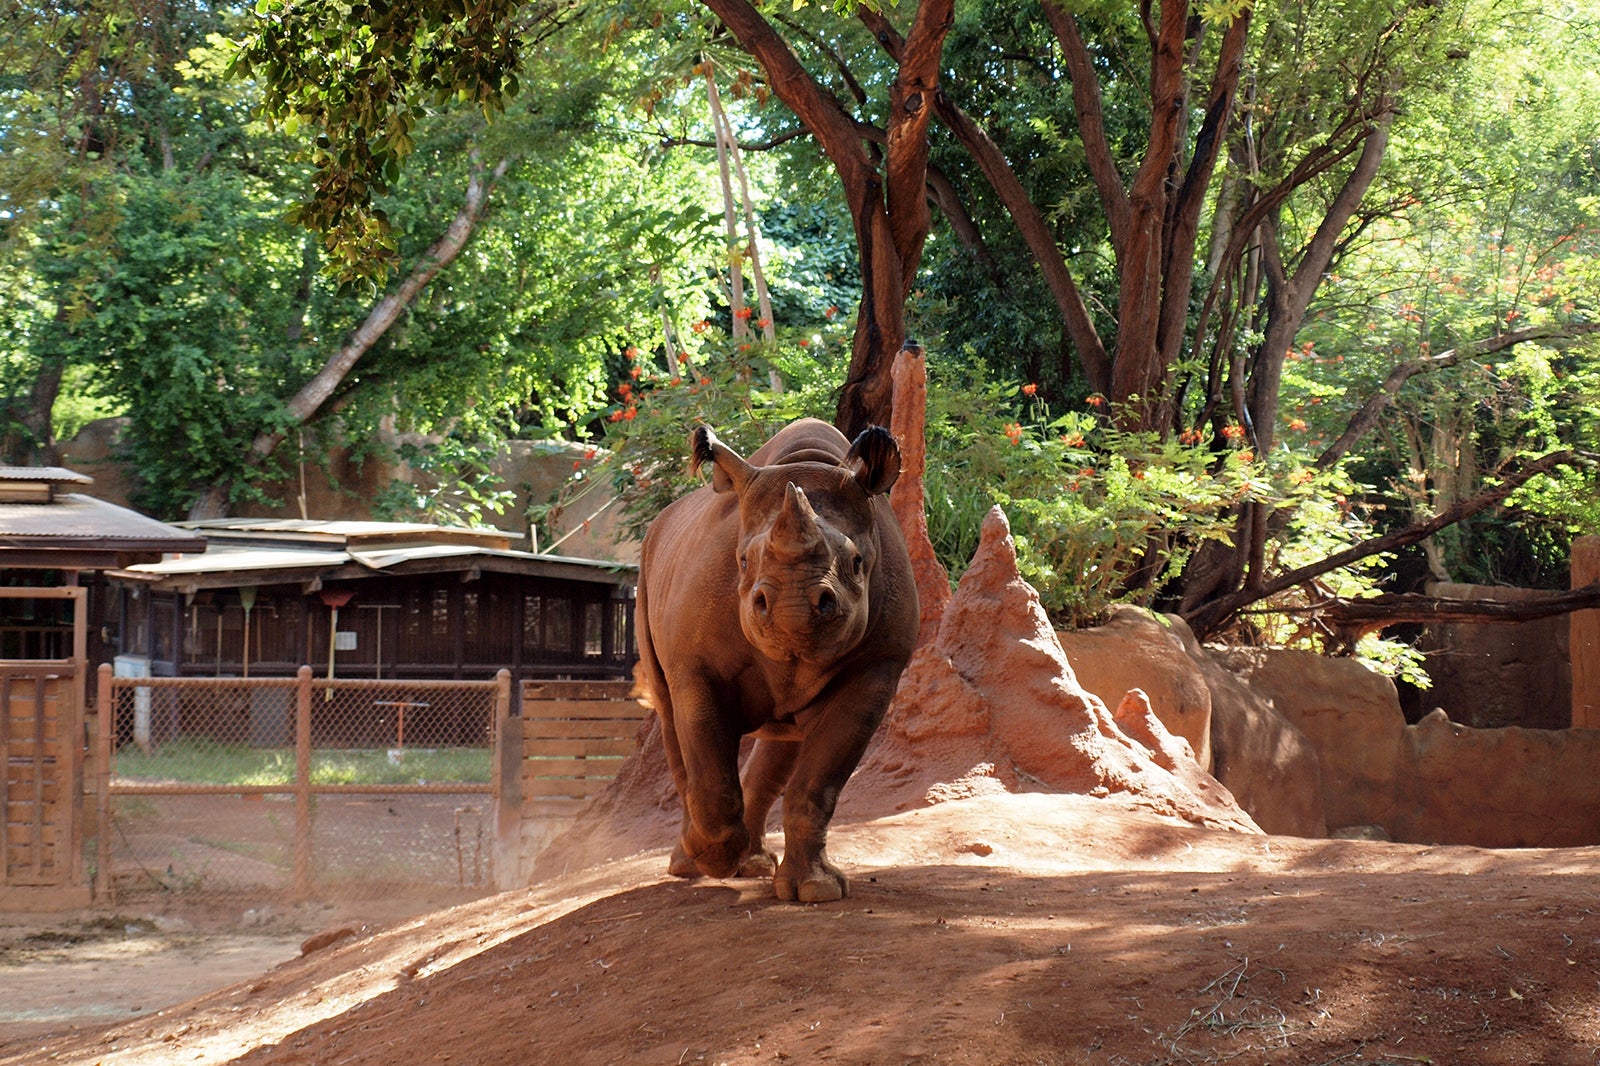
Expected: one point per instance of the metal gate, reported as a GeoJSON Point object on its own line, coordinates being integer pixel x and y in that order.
{"type": "Point", "coordinates": [41, 767]}
{"type": "Point", "coordinates": [295, 788]}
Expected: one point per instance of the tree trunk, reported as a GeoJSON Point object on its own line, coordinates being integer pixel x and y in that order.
{"type": "Point", "coordinates": [888, 207]}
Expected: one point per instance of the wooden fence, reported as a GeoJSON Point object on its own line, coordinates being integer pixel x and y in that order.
{"type": "Point", "coordinates": [542, 766]}
{"type": "Point", "coordinates": [564, 749]}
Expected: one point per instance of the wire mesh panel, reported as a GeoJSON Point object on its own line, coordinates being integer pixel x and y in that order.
{"type": "Point", "coordinates": [299, 786]}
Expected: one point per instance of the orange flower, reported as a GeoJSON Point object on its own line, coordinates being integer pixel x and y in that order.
{"type": "Point", "coordinates": [630, 413]}
{"type": "Point", "coordinates": [1297, 424]}
{"type": "Point", "coordinates": [1029, 389]}
{"type": "Point", "coordinates": [1247, 456]}
{"type": "Point", "coordinates": [1096, 400]}
{"type": "Point", "coordinates": [1014, 431]}
{"type": "Point", "coordinates": [1233, 431]}
{"type": "Point", "coordinates": [743, 312]}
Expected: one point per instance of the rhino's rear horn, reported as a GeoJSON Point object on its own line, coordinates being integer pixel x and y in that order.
{"type": "Point", "coordinates": [876, 459]}
{"type": "Point", "coordinates": [728, 468]}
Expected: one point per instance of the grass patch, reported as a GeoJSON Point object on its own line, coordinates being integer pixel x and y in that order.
{"type": "Point", "coordinates": [200, 762]}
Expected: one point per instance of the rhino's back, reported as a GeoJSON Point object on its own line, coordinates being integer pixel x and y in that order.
{"type": "Point", "coordinates": [808, 440]}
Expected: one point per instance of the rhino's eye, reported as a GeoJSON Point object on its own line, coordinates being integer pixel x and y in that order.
{"type": "Point", "coordinates": [744, 563]}
{"type": "Point", "coordinates": [858, 564]}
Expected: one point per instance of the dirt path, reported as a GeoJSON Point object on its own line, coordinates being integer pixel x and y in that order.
{"type": "Point", "coordinates": [1003, 929]}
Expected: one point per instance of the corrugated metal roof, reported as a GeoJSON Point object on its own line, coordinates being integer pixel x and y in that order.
{"type": "Point", "coordinates": [227, 564]}
{"type": "Point", "coordinates": [57, 474]}
{"type": "Point", "coordinates": [77, 520]}
{"type": "Point", "coordinates": [222, 557]}
{"type": "Point", "coordinates": [347, 532]}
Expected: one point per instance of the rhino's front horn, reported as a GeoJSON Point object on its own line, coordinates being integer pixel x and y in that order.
{"type": "Point", "coordinates": [796, 530]}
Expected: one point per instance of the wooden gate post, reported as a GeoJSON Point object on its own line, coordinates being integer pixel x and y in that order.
{"type": "Point", "coordinates": [105, 729]}
{"type": "Point", "coordinates": [506, 785]}
{"type": "Point", "coordinates": [1585, 642]}
{"type": "Point", "coordinates": [301, 889]}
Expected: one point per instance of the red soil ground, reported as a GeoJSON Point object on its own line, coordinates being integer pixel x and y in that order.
{"type": "Point", "coordinates": [997, 929]}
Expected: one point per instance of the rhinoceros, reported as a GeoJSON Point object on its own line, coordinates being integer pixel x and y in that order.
{"type": "Point", "coordinates": [778, 601]}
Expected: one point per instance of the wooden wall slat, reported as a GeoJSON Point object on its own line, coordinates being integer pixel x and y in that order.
{"type": "Point", "coordinates": [596, 746]}
{"type": "Point", "coordinates": [594, 729]}
{"type": "Point", "coordinates": [564, 787]}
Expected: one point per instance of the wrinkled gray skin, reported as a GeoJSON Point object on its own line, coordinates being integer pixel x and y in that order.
{"type": "Point", "coordinates": [778, 601]}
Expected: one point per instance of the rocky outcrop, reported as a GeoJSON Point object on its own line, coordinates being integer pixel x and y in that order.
{"type": "Point", "coordinates": [1137, 649]}
{"type": "Point", "coordinates": [1351, 716]}
{"type": "Point", "coordinates": [1263, 759]}
{"type": "Point", "coordinates": [1496, 788]}
{"type": "Point", "coordinates": [992, 704]}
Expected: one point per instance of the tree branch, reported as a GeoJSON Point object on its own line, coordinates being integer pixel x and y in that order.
{"type": "Point", "coordinates": [310, 398]}
{"type": "Point", "coordinates": [1210, 616]}
{"type": "Point", "coordinates": [1029, 220]}
{"type": "Point", "coordinates": [1363, 420]}
{"type": "Point", "coordinates": [1086, 101]}
{"type": "Point", "coordinates": [1378, 612]}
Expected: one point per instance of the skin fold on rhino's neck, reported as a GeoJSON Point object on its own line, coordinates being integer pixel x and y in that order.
{"type": "Point", "coordinates": [789, 685]}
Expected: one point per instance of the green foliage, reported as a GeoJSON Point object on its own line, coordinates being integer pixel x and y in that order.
{"type": "Point", "coordinates": [1100, 515]}
{"type": "Point", "coordinates": [1485, 226]}
{"type": "Point", "coordinates": [457, 487]}
{"type": "Point", "coordinates": [162, 308]}
{"type": "Point", "coordinates": [189, 760]}
{"type": "Point", "coordinates": [373, 72]}
{"type": "Point", "coordinates": [745, 390]}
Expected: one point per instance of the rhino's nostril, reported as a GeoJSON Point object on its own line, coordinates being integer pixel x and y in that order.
{"type": "Point", "coordinates": [827, 604]}
{"type": "Point", "coordinates": [758, 600]}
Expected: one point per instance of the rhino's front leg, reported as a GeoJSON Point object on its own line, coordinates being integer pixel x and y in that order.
{"type": "Point", "coordinates": [765, 774]}
{"type": "Point", "coordinates": [834, 744]}
{"type": "Point", "coordinates": [714, 836]}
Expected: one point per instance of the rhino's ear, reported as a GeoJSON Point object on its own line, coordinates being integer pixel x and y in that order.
{"type": "Point", "coordinates": [728, 469]}
{"type": "Point", "coordinates": [876, 460]}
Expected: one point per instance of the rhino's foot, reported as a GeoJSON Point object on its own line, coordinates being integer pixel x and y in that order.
{"type": "Point", "coordinates": [820, 882]}
{"type": "Point", "coordinates": [758, 864]}
{"type": "Point", "coordinates": [682, 863]}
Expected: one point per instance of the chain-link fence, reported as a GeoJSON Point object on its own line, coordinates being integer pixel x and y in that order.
{"type": "Point", "coordinates": [297, 788]}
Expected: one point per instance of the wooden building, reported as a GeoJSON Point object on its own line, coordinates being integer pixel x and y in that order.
{"type": "Point", "coordinates": [372, 600]}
